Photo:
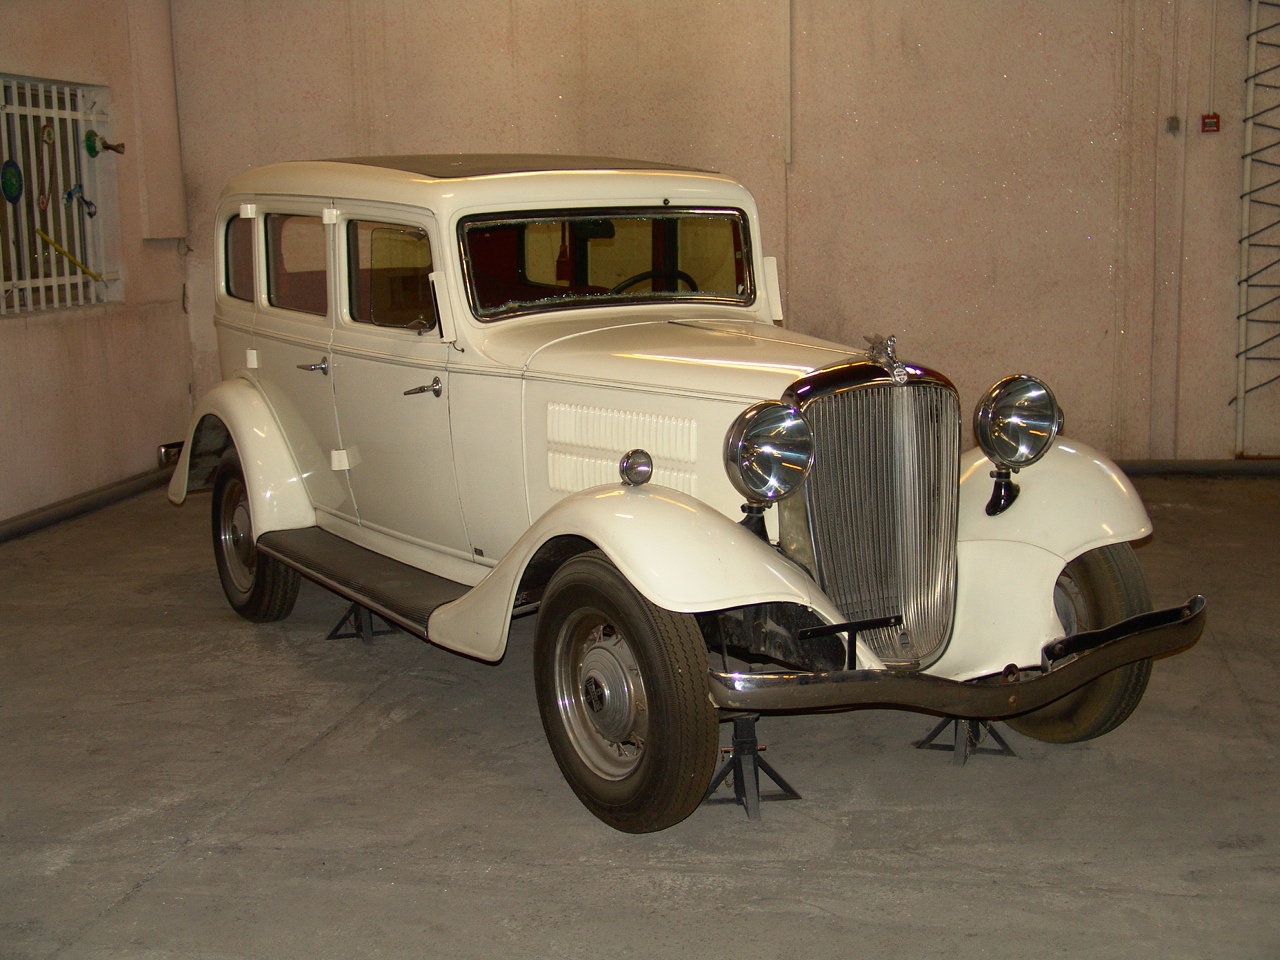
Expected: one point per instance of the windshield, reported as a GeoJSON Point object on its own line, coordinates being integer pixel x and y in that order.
{"type": "Point", "coordinates": [541, 261]}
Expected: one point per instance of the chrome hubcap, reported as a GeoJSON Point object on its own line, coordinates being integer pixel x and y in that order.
{"type": "Point", "coordinates": [236, 536]}
{"type": "Point", "coordinates": [601, 696]}
{"type": "Point", "coordinates": [606, 690]}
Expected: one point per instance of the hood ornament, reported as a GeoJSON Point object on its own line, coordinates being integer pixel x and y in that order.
{"type": "Point", "coordinates": [882, 351]}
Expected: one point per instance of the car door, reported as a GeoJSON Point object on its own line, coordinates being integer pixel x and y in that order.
{"type": "Point", "coordinates": [293, 334]}
{"type": "Point", "coordinates": [391, 378]}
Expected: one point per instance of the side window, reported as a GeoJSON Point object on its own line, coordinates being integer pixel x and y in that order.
{"type": "Point", "coordinates": [296, 263]}
{"type": "Point", "coordinates": [238, 256]}
{"type": "Point", "coordinates": [389, 270]}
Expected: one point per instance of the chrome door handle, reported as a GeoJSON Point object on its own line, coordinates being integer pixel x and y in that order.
{"type": "Point", "coordinates": [436, 388]}
{"type": "Point", "coordinates": [322, 366]}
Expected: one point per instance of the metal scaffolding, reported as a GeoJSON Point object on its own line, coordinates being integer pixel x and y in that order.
{"type": "Point", "coordinates": [1258, 315]}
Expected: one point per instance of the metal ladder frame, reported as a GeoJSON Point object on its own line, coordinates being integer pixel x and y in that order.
{"type": "Point", "coordinates": [1258, 289]}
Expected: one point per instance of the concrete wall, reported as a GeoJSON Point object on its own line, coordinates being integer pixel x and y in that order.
{"type": "Point", "coordinates": [265, 80]}
{"type": "Point", "coordinates": [996, 184]}
{"type": "Point", "coordinates": [993, 182]}
{"type": "Point", "coordinates": [87, 393]}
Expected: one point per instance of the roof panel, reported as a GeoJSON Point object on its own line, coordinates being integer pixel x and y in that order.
{"type": "Point", "coordinates": [443, 166]}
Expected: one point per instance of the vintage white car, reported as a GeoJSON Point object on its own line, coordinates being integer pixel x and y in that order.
{"type": "Point", "coordinates": [458, 389]}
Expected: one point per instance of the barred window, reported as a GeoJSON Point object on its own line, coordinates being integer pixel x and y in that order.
{"type": "Point", "coordinates": [58, 209]}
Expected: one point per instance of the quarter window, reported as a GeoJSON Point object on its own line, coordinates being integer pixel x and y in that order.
{"type": "Point", "coordinates": [296, 259]}
{"type": "Point", "coordinates": [389, 270]}
{"type": "Point", "coordinates": [238, 255]}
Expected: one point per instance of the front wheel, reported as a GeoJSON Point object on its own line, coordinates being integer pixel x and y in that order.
{"type": "Point", "coordinates": [622, 690]}
{"type": "Point", "coordinates": [1095, 590]}
{"type": "Point", "coordinates": [259, 588]}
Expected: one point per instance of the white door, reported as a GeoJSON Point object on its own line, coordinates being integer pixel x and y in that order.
{"type": "Point", "coordinates": [293, 335]}
{"type": "Point", "coordinates": [390, 374]}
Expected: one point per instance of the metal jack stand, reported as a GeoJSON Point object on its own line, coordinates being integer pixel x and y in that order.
{"type": "Point", "coordinates": [968, 734]}
{"type": "Point", "coordinates": [361, 620]}
{"type": "Point", "coordinates": [745, 763]}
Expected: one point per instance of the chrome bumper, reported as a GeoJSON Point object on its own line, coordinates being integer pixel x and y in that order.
{"type": "Point", "coordinates": [1070, 662]}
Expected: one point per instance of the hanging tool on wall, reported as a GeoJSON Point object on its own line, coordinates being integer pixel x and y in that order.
{"type": "Point", "coordinates": [95, 143]}
{"type": "Point", "coordinates": [77, 193]}
{"type": "Point", "coordinates": [54, 243]}
{"type": "Point", "coordinates": [46, 181]}
{"type": "Point", "coordinates": [11, 181]}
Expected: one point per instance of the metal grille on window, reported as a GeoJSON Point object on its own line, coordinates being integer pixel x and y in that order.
{"type": "Point", "coordinates": [56, 171]}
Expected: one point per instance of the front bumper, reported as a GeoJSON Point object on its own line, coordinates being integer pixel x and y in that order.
{"type": "Point", "coordinates": [1070, 664]}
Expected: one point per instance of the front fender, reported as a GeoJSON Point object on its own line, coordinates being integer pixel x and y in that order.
{"type": "Point", "coordinates": [235, 411]}
{"type": "Point", "coordinates": [681, 554]}
{"type": "Point", "coordinates": [1070, 502]}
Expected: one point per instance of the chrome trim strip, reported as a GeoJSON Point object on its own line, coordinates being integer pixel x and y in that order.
{"type": "Point", "coordinates": [850, 374]}
{"type": "Point", "coordinates": [1098, 652]}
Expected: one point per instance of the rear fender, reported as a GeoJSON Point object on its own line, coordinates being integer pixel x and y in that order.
{"type": "Point", "coordinates": [235, 414]}
{"type": "Point", "coordinates": [681, 554]}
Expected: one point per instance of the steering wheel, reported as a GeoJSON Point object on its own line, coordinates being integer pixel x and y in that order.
{"type": "Point", "coordinates": [652, 274]}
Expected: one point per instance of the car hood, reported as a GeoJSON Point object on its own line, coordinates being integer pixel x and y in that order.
{"type": "Point", "coordinates": [702, 357]}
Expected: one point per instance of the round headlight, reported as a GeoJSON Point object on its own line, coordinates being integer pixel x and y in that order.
{"type": "Point", "coordinates": [768, 451]}
{"type": "Point", "coordinates": [1016, 421]}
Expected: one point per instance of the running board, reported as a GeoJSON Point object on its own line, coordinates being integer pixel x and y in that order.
{"type": "Point", "coordinates": [402, 594]}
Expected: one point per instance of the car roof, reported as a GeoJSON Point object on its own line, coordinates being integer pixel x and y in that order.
{"type": "Point", "coordinates": [449, 166]}
{"type": "Point", "coordinates": [452, 185]}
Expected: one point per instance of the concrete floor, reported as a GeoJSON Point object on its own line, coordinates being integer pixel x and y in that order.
{"type": "Point", "coordinates": [176, 782]}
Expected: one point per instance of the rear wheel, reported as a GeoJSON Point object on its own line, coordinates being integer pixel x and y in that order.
{"type": "Point", "coordinates": [622, 690]}
{"type": "Point", "coordinates": [1095, 590]}
{"type": "Point", "coordinates": [259, 588]}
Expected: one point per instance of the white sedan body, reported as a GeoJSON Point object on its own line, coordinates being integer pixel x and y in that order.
{"type": "Point", "coordinates": [464, 443]}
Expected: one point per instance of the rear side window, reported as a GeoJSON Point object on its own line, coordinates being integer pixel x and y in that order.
{"type": "Point", "coordinates": [296, 260]}
{"type": "Point", "coordinates": [239, 258]}
{"type": "Point", "coordinates": [389, 266]}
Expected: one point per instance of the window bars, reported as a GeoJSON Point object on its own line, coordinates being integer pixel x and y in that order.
{"type": "Point", "coordinates": [1258, 313]}
{"type": "Point", "coordinates": [52, 244]}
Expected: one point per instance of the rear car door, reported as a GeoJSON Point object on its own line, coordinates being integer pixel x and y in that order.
{"type": "Point", "coordinates": [293, 337]}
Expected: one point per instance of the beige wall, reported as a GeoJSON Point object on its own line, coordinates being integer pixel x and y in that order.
{"type": "Point", "coordinates": [267, 80]}
{"type": "Point", "coordinates": [990, 181]}
{"type": "Point", "coordinates": [86, 394]}
{"type": "Point", "coordinates": [994, 183]}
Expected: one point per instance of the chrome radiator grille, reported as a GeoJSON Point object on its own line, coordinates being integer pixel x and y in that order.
{"type": "Point", "coordinates": [882, 503]}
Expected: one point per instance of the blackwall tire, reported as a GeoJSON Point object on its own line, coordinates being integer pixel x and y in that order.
{"type": "Point", "coordinates": [259, 588]}
{"type": "Point", "coordinates": [1095, 590]}
{"type": "Point", "coordinates": [622, 690]}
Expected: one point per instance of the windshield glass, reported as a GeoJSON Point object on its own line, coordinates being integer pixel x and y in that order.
{"type": "Point", "coordinates": [540, 261]}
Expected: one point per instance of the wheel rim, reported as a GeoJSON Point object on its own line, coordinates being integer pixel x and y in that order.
{"type": "Point", "coordinates": [1071, 605]}
{"type": "Point", "coordinates": [600, 695]}
{"type": "Point", "coordinates": [235, 536]}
